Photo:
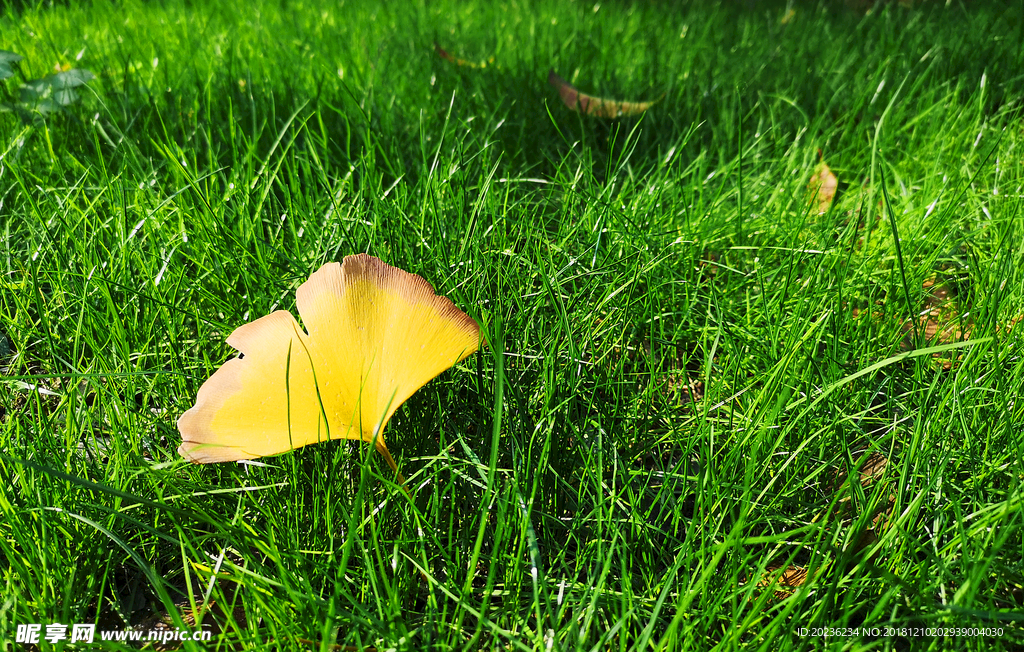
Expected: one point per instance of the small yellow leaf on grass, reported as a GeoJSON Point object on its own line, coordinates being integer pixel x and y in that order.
{"type": "Point", "coordinates": [596, 106]}
{"type": "Point", "coordinates": [823, 186]}
{"type": "Point", "coordinates": [444, 54]}
{"type": "Point", "coordinates": [376, 334]}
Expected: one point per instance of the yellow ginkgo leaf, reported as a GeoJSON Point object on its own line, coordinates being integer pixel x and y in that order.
{"type": "Point", "coordinates": [376, 335]}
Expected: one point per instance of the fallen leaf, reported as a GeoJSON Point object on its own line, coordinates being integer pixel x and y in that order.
{"type": "Point", "coordinates": [213, 617]}
{"type": "Point", "coordinates": [790, 579]}
{"type": "Point", "coordinates": [444, 54]}
{"type": "Point", "coordinates": [823, 186]}
{"type": "Point", "coordinates": [376, 334]}
{"type": "Point", "coordinates": [596, 106]}
{"type": "Point", "coordinates": [940, 320]}
{"type": "Point", "coordinates": [872, 470]}
{"type": "Point", "coordinates": [1007, 328]}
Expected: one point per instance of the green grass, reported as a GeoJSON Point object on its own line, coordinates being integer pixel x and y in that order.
{"type": "Point", "coordinates": [684, 357]}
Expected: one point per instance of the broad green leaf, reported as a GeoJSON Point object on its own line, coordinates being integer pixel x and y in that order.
{"type": "Point", "coordinates": [6, 59]}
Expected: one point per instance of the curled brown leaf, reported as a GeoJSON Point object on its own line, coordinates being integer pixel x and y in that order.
{"type": "Point", "coordinates": [599, 107]}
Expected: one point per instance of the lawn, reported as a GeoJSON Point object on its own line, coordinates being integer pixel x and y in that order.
{"type": "Point", "coordinates": [752, 353]}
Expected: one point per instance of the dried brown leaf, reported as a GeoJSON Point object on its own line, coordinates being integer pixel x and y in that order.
{"type": "Point", "coordinates": [596, 106]}
{"type": "Point", "coordinates": [786, 582]}
{"type": "Point", "coordinates": [940, 320]}
{"type": "Point", "coordinates": [872, 470]}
